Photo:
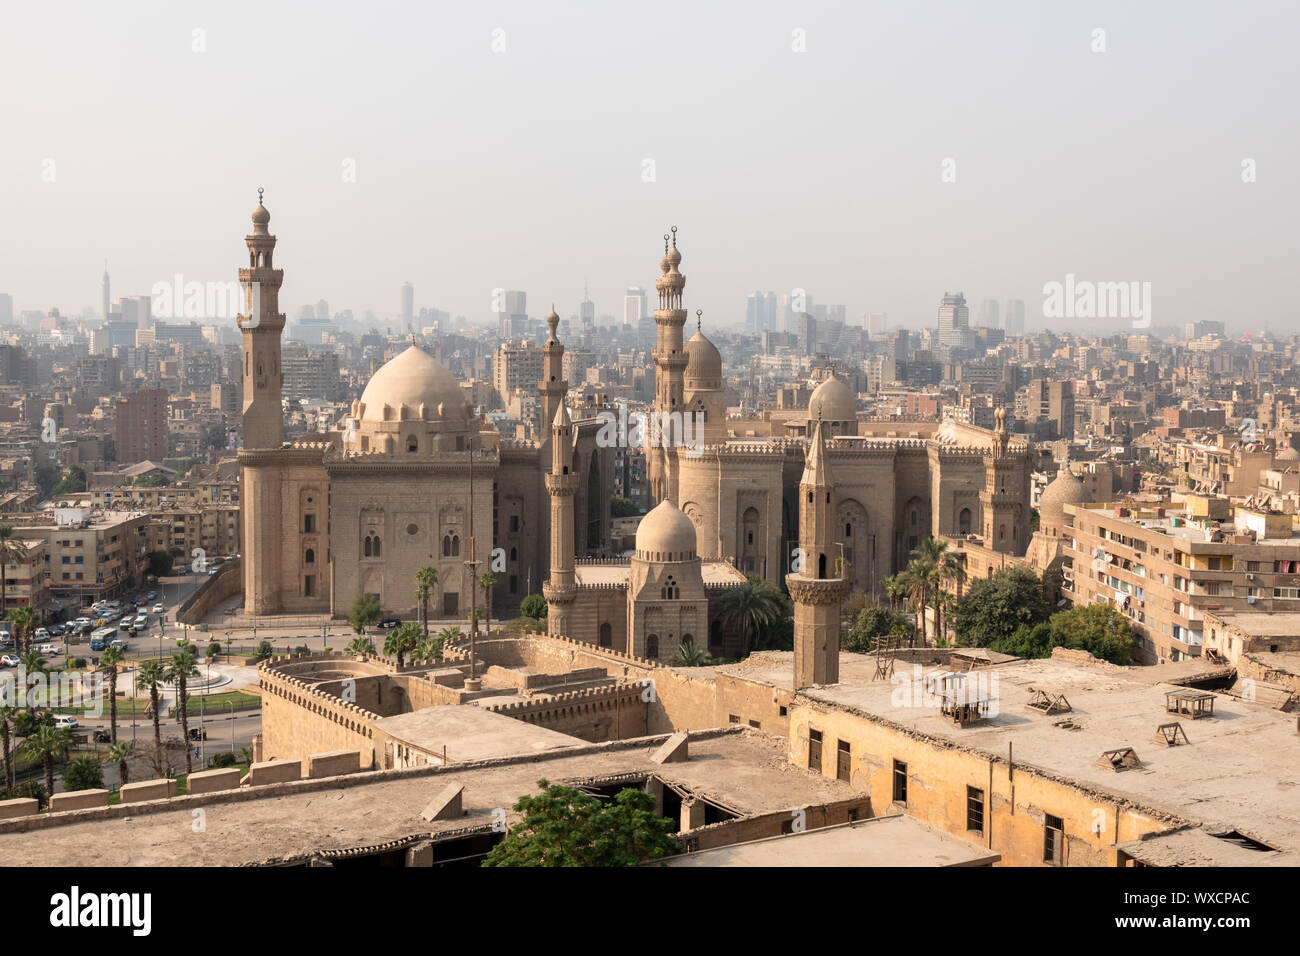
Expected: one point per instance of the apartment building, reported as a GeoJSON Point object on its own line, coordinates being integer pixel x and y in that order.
{"type": "Point", "coordinates": [27, 582]}
{"type": "Point", "coordinates": [91, 554]}
{"type": "Point", "coordinates": [1165, 569]}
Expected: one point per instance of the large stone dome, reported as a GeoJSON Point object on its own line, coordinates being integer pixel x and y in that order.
{"type": "Point", "coordinates": [833, 402]}
{"type": "Point", "coordinates": [1064, 489]}
{"type": "Point", "coordinates": [665, 534]}
{"type": "Point", "coordinates": [703, 363]}
{"type": "Point", "coordinates": [418, 381]}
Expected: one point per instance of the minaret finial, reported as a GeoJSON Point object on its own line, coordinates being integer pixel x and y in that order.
{"type": "Point", "coordinates": [698, 313]}
{"type": "Point", "coordinates": [674, 237]}
{"type": "Point", "coordinates": [259, 195]}
{"type": "Point", "coordinates": [665, 243]}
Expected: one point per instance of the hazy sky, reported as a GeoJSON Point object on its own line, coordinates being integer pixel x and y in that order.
{"type": "Point", "coordinates": [524, 168]}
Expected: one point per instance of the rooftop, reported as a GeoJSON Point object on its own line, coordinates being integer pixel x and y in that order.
{"type": "Point", "coordinates": [471, 733]}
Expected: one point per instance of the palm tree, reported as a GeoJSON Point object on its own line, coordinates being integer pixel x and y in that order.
{"type": "Point", "coordinates": [896, 588]}
{"type": "Point", "coordinates": [7, 714]}
{"type": "Point", "coordinates": [24, 621]}
{"type": "Point", "coordinates": [111, 658]}
{"type": "Point", "coordinates": [151, 674]}
{"type": "Point", "coordinates": [450, 635]}
{"type": "Point", "coordinates": [426, 580]}
{"type": "Point", "coordinates": [119, 753]}
{"type": "Point", "coordinates": [32, 663]}
{"type": "Point", "coordinates": [401, 641]}
{"type": "Point", "coordinates": [752, 608]}
{"type": "Point", "coordinates": [690, 654]}
{"type": "Point", "coordinates": [179, 671]}
{"type": "Point", "coordinates": [428, 650]}
{"type": "Point", "coordinates": [361, 646]}
{"type": "Point", "coordinates": [487, 581]}
{"type": "Point", "coordinates": [48, 744]}
{"type": "Point", "coordinates": [11, 549]}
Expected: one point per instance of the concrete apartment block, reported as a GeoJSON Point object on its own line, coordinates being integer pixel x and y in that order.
{"type": "Point", "coordinates": [78, 800]}
{"type": "Point", "coordinates": [210, 781]}
{"type": "Point", "coordinates": [159, 789]}
{"type": "Point", "coordinates": [22, 807]}
{"type": "Point", "coordinates": [333, 763]}
{"type": "Point", "coordinates": [274, 771]}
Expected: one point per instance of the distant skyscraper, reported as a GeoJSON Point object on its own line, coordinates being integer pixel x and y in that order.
{"type": "Point", "coordinates": [514, 321]}
{"type": "Point", "coordinates": [135, 309]}
{"type": "Point", "coordinates": [106, 298]}
{"type": "Point", "coordinates": [989, 314]}
{"type": "Point", "coordinates": [587, 311]}
{"type": "Point", "coordinates": [1014, 319]}
{"type": "Point", "coordinates": [408, 305]}
{"type": "Point", "coordinates": [322, 309]}
{"type": "Point", "coordinates": [6, 309]}
{"type": "Point", "coordinates": [876, 323]}
{"type": "Point", "coordinates": [760, 311]}
{"type": "Point", "coordinates": [637, 315]}
{"type": "Point", "coordinates": [954, 322]}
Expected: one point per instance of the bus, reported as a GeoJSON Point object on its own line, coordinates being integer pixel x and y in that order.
{"type": "Point", "coordinates": [99, 639]}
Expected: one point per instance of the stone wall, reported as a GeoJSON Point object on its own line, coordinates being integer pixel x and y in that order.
{"type": "Point", "coordinates": [219, 587]}
{"type": "Point", "coordinates": [299, 719]}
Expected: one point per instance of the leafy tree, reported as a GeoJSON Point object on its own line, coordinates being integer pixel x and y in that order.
{"type": "Point", "coordinates": [46, 476]}
{"type": "Point", "coordinates": [1028, 641]}
{"type": "Point", "coordinates": [364, 612]}
{"type": "Point", "coordinates": [534, 607]}
{"type": "Point", "coordinates": [620, 507]}
{"type": "Point", "coordinates": [361, 646]}
{"type": "Point", "coordinates": [83, 773]}
{"type": "Point", "coordinates": [155, 480]}
{"type": "Point", "coordinates": [566, 827]}
{"type": "Point", "coordinates": [1098, 629]}
{"type": "Point", "coordinates": [263, 650]}
{"type": "Point", "coordinates": [401, 641]}
{"type": "Point", "coordinates": [429, 649]}
{"type": "Point", "coordinates": [72, 482]}
{"type": "Point", "coordinates": [160, 563]}
{"type": "Point", "coordinates": [426, 581]}
{"type": "Point", "coordinates": [119, 753]}
{"type": "Point", "coordinates": [25, 620]}
{"type": "Point", "coordinates": [179, 671]}
{"type": "Point", "coordinates": [111, 660]}
{"type": "Point", "coordinates": [48, 744]}
{"type": "Point", "coordinates": [993, 608]}
{"type": "Point", "coordinates": [757, 609]}
{"type": "Point", "coordinates": [12, 551]}
{"type": "Point", "coordinates": [873, 621]}
{"type": "Point", "coordinates": [690, 654]}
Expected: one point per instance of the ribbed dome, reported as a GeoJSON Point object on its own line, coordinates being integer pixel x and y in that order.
{"type": "Point", "coordinates": [413, 378]}
{"type": "Point", "coordinates": [833, 402]}
{"type": "Point", "coordinates": [703, 362]}
{"type": "Point", "coordinates": [665, 534]}
{"type": "Point", "coordinates": [1064, 489]}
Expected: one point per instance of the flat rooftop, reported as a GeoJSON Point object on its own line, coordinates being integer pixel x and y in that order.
{"type": "Point", "coordinates": [742, 769]}
{"type": "Point", "coordinates": [895, 840]}
{"type": "Point", "coordinates": [1239, 771]}
{"type": "Point", "coordinates": [472, 733]}
{"type": "Point", "coordinates": [1256, 624]}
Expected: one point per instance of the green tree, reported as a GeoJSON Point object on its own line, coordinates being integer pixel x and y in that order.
{"type": "Point", "coordinates": [994, 608]}
{"type": "Point", "coordinates": [361, 646]}
{"type": "Point", "coordinates": [35, 666]}
{"type": "Point", "coordinates": [533, 607]}
{"type": "Point", "coordinates": [364, 612]}
{"type": "Point", "coordinates": [13, 550]}
{"type": "Point", "coordinates": [155, 480]}
{"type": "Point", "coordinates": [487, 581]}
{"type": "Point", "coordinates": [48, 744]}
{"type": "Point", "coordinates": [119, 753]}
{"type": "Point", "coordinates": [620, 507]}
{"type": "Point", "coordinates": [873, 621]}
{"type": "Point", "coordinates": [160, 563]}
{"type": "Point", "coordinates": [111, 660]}
{"type": "Point", "coordinates": [429, 649]}
{"type": "Point", "coordinates": [426, 583]}
{"type": "Point", "coordinates": [690, 654]}
{"type": "Point", "coordinates": [72, 482]}
{"type": "Point", "coordinates": [179, 671]}
{"type": "Point", "coordinates": [401, 641]}
{"type": "Point", "coordinates": [25, 620]}
{"type": "Point", "coordinates": [7, 715]}
{"type": "Point", "coordinates": [83, 773]}
{"type": "Point", "coordinates": [46, 476]}
{"type": "Point", "coordinates": [1098, 629]}
{"type": "Point", "coordinates": [263, 650]}
{"type": "Point", "coordinates": [757, 609]}
{"type": "Point", "coordinates": [149, 675]}
{"type": "Point", "coordinates": [566, 827]}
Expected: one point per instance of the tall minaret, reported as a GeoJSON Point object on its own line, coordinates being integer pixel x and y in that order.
{"type": "Point", "coordinates": [1006, 528]}
{"type": "Point", "coordinates": [552, 388]}
{"type": "Point", "coordinates": [562, 484]}
{"type": "Point", "coordinates": [819, 586]}
{"type": "Point", "coordinates": [107, 299]}
{"type": "Point", "coordinates": [670, 373]}
{"type": "Point", "coordinates": [261, 324]}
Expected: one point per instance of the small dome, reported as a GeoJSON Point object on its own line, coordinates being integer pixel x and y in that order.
{"type": "Point", "coordinates": [703, 362]}
{"type": "Point", "coordinates": [833, 402]}
{"type": "Point", "coordinates": [261, 215]}
{"type": "Point", "coordinates": [1064, 489]}
{"type": "Point", "coordinates": [665, 534]}
{"type": "Point", "coordinates": [413, 378]}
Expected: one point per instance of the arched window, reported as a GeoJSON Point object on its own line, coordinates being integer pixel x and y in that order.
{"type": "Point", "coordinates": [412, 443]}
{"type": "Point", "coordinates": [309, 557]}
{"type": "Point", "coordinates": [821, 565]}
{"type": "Point", "coordinates": [367, 547]}
{"type": "Point", "coordinates": [963, 521]}
{"type": "Point", "coordinates": [455, 546]}
{"type": "Point", "coordinates": [446, 546]}
{"type": "Point", "coordinates": [652, 646]}
{"type": "Point", "coordinates": [670, 591]}
{"type": "Point", "coordinates": [514, 554]}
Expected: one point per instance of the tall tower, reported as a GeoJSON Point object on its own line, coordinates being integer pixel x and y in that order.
{"type": "Point", "coordinates": [261, 324]}
{"type": "Point", "coordinates": [552, 388]}
{"type": "Point", "coordinates": [819, 586]}
{"type": "Point", "coordinates": [670, 371]}
{"type": "Point", "coordinates": [562, 485]}
{"type": "Point", "coordinates": [1006, 527]}
{"type": "Point", "coordinates": [107, 301]}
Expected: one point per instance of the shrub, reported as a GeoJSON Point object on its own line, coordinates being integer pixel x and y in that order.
{"type": "Point", "coordinates": [83, 773]}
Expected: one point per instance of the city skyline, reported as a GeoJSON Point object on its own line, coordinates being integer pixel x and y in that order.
{"type": "Point", "coordinates": [914, 191]}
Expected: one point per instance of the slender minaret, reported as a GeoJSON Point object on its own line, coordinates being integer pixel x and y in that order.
{"type": "Point", "coordinates": [1005, 527]}
{"type": "Point", "coordinates": [818, 587]}
{"type": "Point", "coordinates": [562, 484]}
{"type": "Point", "coordinates": [261, 324]}
{"type": "Point", "coordinates": [552, 388]}
{"type": "Point", "coordinates": [107, 300]}
{"type": "Point", "coordinates": [670, 373]}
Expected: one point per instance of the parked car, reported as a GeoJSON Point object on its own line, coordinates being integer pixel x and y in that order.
{"type": "Point", "coordinates": [158, 609]}
{"type": "Point", "coordinates": [149, 597]}
{"type": "Point", "coordinates": [8, 660]}
{"type": "Point", "coordinates": [6, 638]}
{"type": "Point", "coordinates": [58, 630]}
{"type": "Point", "coordinates": [126, 625]}
{"type": "Point", "coordinates": [65, 720]}
{"type": "Point", "coordinates": [47, 649]}
{"type": "Point", "coordinates": [389, 623]}
{"type": "Point", "coordinates": [41, 634]}
{"type": "Point", "coordinates": [118, 643]}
